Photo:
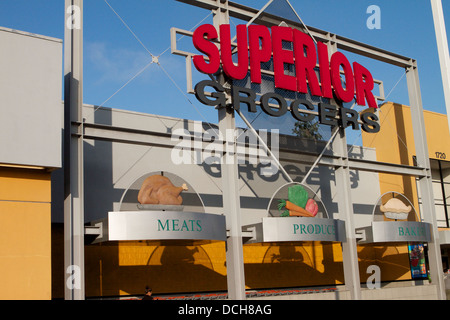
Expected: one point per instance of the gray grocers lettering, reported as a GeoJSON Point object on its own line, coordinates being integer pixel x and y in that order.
{"type": "Point", "coordinates": [219, 94]}
{"type": "Point", "coordinates": [299, 115]}
{"type": "Point", "coordinates": [328, 114]}
{"type": "Point", "coordinates": [282, 104]}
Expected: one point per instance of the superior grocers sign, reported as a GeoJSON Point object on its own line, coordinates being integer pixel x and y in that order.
{"type": "Point", "coordinates": [257, 44]}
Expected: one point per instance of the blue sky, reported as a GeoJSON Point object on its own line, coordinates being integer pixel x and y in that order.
{"type": "Point", "coordinates": [112, 56]}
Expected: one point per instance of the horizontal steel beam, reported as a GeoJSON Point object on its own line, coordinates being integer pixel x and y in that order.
{"type": "Point", "coordinates": [164, 140]}
{"type": "Point", "coordinates": [246, 13]}
{"type": "Point", "coordinates": [384, 167]}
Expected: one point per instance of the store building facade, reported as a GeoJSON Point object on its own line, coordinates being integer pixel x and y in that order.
{"type": "Point", "coordinates": [395, 144]}
{"type": "Point", "coordinates": [30, 139]}
{"type": "Point", "coordinates": [230, 236]}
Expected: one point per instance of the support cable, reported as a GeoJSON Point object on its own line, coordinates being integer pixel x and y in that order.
{"type": "Point", "coordinates": [306, 28]}
{"type": "Point", "coordinates": [379, 110]}
{"type": "Point", "coordinates": [129, 29]}
{"type": "Point", "coordinates": [264, 145]}
{"type": "Point", "coordinates": [155, 59]}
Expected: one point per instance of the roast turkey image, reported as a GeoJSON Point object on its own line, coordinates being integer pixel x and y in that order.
{"type": "Point", "coordinates": [158, 189]}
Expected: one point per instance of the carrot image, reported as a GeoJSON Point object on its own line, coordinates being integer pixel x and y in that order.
{"type": "Point", "coordinates": [293, 210]}
{"type": "Point", "coordinates": [302, 213]}
{"type": "Point", "coordinates": [298, 204]}
{"type": "Point", "coordinates": [290, 206]}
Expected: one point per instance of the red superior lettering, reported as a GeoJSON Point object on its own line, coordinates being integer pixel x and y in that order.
{"type": "Point", "coordinates": [257, 44]}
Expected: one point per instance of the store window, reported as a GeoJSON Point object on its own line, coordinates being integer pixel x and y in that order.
{"type": "Point", "coordinates": [440, 172]}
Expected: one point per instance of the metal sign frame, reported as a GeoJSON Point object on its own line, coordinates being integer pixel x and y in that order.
{"type": "Point", "coordinates": [223, 9]}
{"type": "Point", "coordinates": [163, 225]}
{"type": "Point", "coordinates": [395, 231]}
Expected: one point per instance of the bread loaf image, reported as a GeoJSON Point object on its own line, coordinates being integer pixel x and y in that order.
{"type": "Point", "coordinates": [158, 189]}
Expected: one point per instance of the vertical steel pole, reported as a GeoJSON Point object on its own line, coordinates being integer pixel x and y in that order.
{"type": "Point", "coordinates": [442, 45]}
{"type": "Point", "coordinates": [345, 205]}
{"type": "Point", "coordinates": [425, 183]}
{"type": "Point", "coordinates": [73, 152]}
{"type": "Point", "coordinates": [230, 182]}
